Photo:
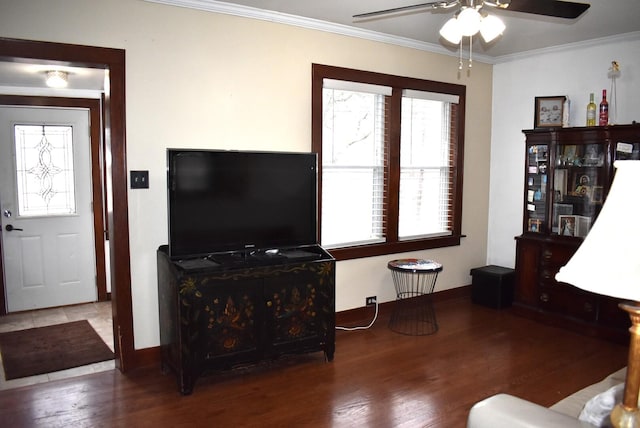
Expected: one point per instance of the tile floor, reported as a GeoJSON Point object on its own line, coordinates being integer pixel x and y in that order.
{"type": "Point", "coordinates": [99, 316]}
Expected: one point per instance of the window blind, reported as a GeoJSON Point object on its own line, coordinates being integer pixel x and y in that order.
{"type": "Point", "coordinates": [345, 85]}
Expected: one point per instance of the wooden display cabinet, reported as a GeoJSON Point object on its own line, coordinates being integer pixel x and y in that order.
{"type": "Point", "coordinates": [215, 315]}
{"type": "Point", "coordinates": [568, 172]}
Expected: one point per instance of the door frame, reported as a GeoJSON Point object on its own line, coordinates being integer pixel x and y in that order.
{"type": "Point", "coordinates": [112, 60]}
{"type": "Point", "coordinates": [97, 165]}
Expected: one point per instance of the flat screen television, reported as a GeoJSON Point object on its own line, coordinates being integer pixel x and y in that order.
{"type": "Point", "coordinates": [226, 201]}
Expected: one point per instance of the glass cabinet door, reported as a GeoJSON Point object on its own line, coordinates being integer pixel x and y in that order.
{"type": "Point", "coordinates": [627, 151]}
{"type": "Point", "coordinates": [536, 202]}
{"type": "Point", "coordinates": [579, 179]}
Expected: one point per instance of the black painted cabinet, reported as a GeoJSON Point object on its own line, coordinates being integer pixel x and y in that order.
{"type": "Point", "coordinates": [214, 316]}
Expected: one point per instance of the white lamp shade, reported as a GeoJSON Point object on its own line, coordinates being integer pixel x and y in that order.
{"type": "Point", "coordinates": [608, 261]}
{"type": "Point", "coordinates": [491, 27]}
{"type": "Point", "coordinates": [450, 31]}
{"type": "Point", "coordinates": [469, 20]}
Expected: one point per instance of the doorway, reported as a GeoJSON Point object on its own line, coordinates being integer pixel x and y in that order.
{"type": "Point", "coordinates": [49, 245]}
{"type": "Point", "coordinates": [113, 61]}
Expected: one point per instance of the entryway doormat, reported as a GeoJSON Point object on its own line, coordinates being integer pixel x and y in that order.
{"type": "Point", "coordinates": [49, 349]}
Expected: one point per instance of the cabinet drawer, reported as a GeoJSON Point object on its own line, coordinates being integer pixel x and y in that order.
{"type": "Point", "coordinates": [556, 255]}
{"type": "Point", "coordinates": [562, 300]}
{"type": "Point", "coordinates": [610, 314]}
{"type": "Point", "coordinates": [548, 275]}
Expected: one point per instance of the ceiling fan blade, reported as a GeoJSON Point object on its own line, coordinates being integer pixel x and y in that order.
{"type": "Point", "coordinates": [556, 8]}
{"type": "Point", "coordinates": [442, 4]}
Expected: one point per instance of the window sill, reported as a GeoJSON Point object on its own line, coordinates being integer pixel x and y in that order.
{"type": "Point", "coordinates": [348, 253]}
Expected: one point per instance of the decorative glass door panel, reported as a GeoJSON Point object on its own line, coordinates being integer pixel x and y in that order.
{"type": "Point", "coordinates": [627, 151]}
{"type": "Point", "coordinates": [44, 170]}
{"type": "Point", "coordinates": [579, 181]}
{"type": "Point", "coordinates": [536, 202]}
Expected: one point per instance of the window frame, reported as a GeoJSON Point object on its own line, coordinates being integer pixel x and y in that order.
{"type": "Point", "coordinates": [398, 83]}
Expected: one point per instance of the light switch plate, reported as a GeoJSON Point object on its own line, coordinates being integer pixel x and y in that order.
{"type": "Point", "coordinates": [139, 179]}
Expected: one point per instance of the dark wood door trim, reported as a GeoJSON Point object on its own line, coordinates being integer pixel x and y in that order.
{"type": "Point", "coordinates": [117, 218]}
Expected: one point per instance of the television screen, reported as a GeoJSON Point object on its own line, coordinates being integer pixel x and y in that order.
{"type": "Point", "coordinates": [223, 201]}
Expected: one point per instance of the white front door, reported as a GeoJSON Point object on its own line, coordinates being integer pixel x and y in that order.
{"type": "Point", "coordinates": [45, 207]}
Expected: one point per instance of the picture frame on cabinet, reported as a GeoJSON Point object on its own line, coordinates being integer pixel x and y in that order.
{"type": "Point", "coordinates": [582, 183]}
{"type": "Point", "coordinates": [597, 193]}
{"type": "Point", "coordinates": [569, 154]}
{"type": "Point", "coordinates": [567, 225]}
{"type": "Point", "coordinates": [535, 225]}
{"type": "Point", "coordinates": [574, 225]}
{"type": "Point", "coordinates": [560, 210]}
{"type": "Point", "coordinates": [548, 112]}
{"type": "Point", "coordinates": [560, 184]}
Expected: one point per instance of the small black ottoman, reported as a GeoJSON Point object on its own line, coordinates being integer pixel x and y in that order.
{"type": "Point", "coordinates": [492, 286]}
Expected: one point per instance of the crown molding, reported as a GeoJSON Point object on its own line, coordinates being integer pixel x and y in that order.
{"type": "Point", "coordinates": [346, 30]}
{"type": "Point", "coordinates": [618, 38]}
{"type": "Point", "coordinates": [314, 24]}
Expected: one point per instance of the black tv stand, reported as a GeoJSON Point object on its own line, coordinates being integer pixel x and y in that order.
{"type": "Point", "coordinates": [230, 259]}
{"type": "Point", "coordinates": [231, 309]}
{"type": "Point", "coordinates": [253, 258]}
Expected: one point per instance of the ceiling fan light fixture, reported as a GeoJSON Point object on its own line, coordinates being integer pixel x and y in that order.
{"type": "Point", "coordinates": [57, 79]}
{"type": "Point", "coordinates": [471, 16]}
{"type": "Point", "coordinates": [491, 27]}
{"type": "Point", "coordinates": [451, 31]}
{"type": "Point", "coordinates": [502, 4]}
{"type": "Point", "coordinates": [469, 20]}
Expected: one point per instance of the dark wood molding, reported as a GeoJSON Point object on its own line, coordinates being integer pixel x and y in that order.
{"type": "Point", "coordinates": [371, 250]}
{"type": "Point", "coordinates": [118, 221]}
{"type": "Point", "coordinates": [146, 357]}
{"type": "Point", "coordinates": [392, 244]}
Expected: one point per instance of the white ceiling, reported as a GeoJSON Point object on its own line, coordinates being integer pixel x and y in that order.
{"type": "Point", "coordinates": [524, 32]}
{"type": "Point", "coordinates": [21, 75]}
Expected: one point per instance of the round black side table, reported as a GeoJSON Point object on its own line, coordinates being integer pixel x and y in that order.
{"type": "Point", "coordinates": [414, 280]}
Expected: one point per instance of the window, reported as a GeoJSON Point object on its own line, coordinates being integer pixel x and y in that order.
{"type": "Point", "coordinates": [390, 154]}
{"type": "Point", "coordinates": [44, 170]}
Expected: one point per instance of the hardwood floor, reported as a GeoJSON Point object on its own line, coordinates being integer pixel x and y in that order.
{"type": "Point", "coordinates": [378, 379]}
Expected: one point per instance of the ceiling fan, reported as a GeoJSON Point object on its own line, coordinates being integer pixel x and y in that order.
{"type": "Point", "coordinates": [555, 8]}
{"type": "Point", "coordinates": [472, 17]}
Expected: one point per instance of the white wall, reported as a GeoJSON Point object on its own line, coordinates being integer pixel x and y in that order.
{"type": "Point", "coordinates": [574, 71]}
{"type": "Point", "coordinates": [204, 80]}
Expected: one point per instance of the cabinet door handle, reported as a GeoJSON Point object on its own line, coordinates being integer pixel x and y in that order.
{"type": "Point", "coordinates": [269, 303]}
{"type": "Point", "coordinates": [544, 297]}
{"type": "Point", "coordinates": [546, 254]}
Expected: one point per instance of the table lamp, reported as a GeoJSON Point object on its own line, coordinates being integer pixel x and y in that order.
{"type": "Point", "coordinates": [612, 247]}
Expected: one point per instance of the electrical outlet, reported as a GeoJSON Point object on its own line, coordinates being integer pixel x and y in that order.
{"type": "Point", "coordinates": [372, 300]}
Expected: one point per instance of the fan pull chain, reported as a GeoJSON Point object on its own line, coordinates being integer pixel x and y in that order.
{"type": "Point", "coordinates": [470, 53]}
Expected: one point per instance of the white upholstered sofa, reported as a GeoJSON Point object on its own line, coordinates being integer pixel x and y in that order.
{"type": "Point", "coordinates": [503, 410]}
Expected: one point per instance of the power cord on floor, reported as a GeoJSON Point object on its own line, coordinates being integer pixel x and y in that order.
{"type": "Point", "coordinates": [364, 327]}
